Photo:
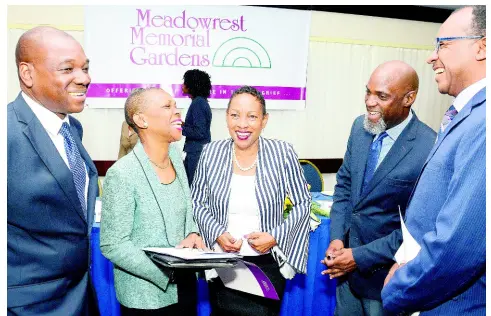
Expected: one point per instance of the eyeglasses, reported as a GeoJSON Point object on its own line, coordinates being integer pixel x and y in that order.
{"type": "Point", "coordinates": [453, 38]}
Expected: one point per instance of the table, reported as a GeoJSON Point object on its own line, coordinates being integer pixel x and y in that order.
{"type": "Point", "coordinates": [311, 294]}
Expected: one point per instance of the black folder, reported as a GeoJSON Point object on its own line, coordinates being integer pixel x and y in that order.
{"type": "Point", "coordinates": [196, 264]}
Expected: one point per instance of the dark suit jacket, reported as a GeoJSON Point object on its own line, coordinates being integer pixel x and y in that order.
{"type": "Point", "coordinates": [447, 217]}
{"type": "Point", "coordinates": [369, 223]}
{"type": "Point", "coordinates": [47, 232]}
{"type": "Point", "coordinates": [196, 127]}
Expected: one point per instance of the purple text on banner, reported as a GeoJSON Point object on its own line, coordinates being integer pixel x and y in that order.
{"type": "Point", "coordinates": [115, 90]}
{"type": "Point", "coordinates": [266, 286]}
{"type": "Point", "coordinates": [123, 90]}
{"type": "Point", "coordinates": [269, 92]}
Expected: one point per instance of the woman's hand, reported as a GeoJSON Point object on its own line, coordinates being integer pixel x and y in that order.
{"type": "Point", "coordinates": [261, 242]}
{"type": "Point", "coordinates": [229, 243]}
{"type": "Point", "coordinates": [193, 240]}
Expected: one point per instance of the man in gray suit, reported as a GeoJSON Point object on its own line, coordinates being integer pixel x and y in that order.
{"type": "Point", "coordinates": [385, 153]}
{"type": "Point", "coordinates": [51, 180]}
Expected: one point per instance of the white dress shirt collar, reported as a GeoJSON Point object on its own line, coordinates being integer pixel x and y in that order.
{"type": "Point", "coordinates": [50, 121]}
{"type": "Point", "coordinates": [466, 95]}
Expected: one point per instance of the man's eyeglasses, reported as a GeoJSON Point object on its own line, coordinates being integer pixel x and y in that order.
{"type": "Point", "coordinates": [453, 38]}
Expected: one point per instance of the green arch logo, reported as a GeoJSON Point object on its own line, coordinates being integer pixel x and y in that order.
{"type": "Point", "coordinates": [241, 52]}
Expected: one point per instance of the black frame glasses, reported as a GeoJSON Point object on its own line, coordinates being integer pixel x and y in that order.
{"type": "Point", "coordinates": [454, 38]}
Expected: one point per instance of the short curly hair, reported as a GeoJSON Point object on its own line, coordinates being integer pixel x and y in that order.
{"type": "Point", "coordinates": [252, 91]}
{"type": "Point", "coordinates": [198, 83]}
{"type": "Point", "coordinates": [478, 22]}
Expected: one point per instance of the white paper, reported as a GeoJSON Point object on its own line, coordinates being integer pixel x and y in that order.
{"type": "Point", "coordinates": [249, 278]}
{"type": "Point", "coordinates": [191, 254]}
{"type": "Point", "coordinates": [409, 248]}
{"type": "Point", "coordinates": [240, 225]}
{"type": "Point", "coordinates": [98, 210]}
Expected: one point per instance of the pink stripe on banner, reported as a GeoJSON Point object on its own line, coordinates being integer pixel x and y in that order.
{"type": "Point", "coordinates": [266, 286]}
{"type": "Point", "coordinates": [269, 92]}
{"type": "Point", "coordinates": [123, 90]}
{"type": "Point", "coordinates": [115, 90]}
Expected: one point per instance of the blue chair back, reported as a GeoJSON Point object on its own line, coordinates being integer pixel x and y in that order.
{"type": "Point", "coordinates": [312, 175]}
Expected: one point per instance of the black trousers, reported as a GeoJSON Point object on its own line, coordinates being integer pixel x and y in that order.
{"type": "Point", "coordinates": [225, 301]}
{"type": "Point", "coordinates": [190, 164]}
{"type": "Point", "coordinates": [187, 298]}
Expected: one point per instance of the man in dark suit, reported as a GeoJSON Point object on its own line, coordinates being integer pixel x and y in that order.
{"type": "Point", "coordinates": [51, 180]}
{"type": "Point", "coordinates": [447, 211]}
{"type": "Point", "coordinates": [386, 150]}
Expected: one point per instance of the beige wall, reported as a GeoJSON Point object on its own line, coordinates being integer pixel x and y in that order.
{"type": "Point", "coordinates": [344, 50]}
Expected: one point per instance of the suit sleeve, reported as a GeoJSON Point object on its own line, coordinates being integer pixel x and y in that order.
{"type": "Point", "coordinates": [295, 229]}
{"type": "Point", "coordinates": [379, 252]}
{"type": "Point", "coordinates": [197, 127]}
{"type": "Point", "coordinates": [118, 207]}
{"type": "Point", "coordinates": [208, 226]}
{"type": "Point", "coordinates": [342, 195]}
{"type": "Point", "coordinates": [454, 254]}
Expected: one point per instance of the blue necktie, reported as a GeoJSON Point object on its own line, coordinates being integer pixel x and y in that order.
{"type": "Point", "coordinates": [447, 118]}
{"type": "Point", "coordinates": [373, 159]}
{"type": "Point", "coordinates": [76, 163]}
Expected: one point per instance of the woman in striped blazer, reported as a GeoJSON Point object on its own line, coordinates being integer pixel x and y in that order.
{"type": "Point", "coordinates": [238, 195]}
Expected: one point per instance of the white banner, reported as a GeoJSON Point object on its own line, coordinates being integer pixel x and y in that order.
{"type": "Point", "coordinates": [140, 46]}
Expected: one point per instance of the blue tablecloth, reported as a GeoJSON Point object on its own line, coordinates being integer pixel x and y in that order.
{"type": "Point", "coordinates": [311, 294]}
{"type": "Point", "coordinates": [102, 277]}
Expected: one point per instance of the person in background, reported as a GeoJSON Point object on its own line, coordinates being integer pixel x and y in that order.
{"type": "Point", "coordinates": [196, 127]}
{"type": "Point", "coordinates": [51, 180]}
{"type": "Point", "coordinates": [147, 203]}
{"type": "Point", "coordinates": [238, 195]}
{"type": "Point", "coordinates": [386, 150]}
{"type": "Point", "coordinates": [447, 212]}
{"type": "Point", "coordinates": [127, 140]}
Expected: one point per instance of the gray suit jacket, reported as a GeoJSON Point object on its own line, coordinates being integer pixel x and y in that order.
{"type": "Point", "coordinates": [47, 232]}
{"type": "Point", "coordinates": [132, 219]}
{"type": "Point", "coordinates": [369, 222]}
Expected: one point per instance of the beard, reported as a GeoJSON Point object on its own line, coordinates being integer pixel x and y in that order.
{"type": "Point", "coordinates": [374, 128]}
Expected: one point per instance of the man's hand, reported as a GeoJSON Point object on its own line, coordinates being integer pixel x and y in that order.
{"type": "Point", "coordinates": [335, 245]}
{"type": "Point", "coordinates": [261, 242]}
{"type": "Point", "coordinates": [392, 270]}
{"type": "Point", "coordinates": [342, 263]}
{"type": "Point", "coordinates": [193, 240]}
{"type": "Point", "coordinates": [229, 243]}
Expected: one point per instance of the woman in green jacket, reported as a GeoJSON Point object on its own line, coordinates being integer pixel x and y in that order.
{"type": "Point", "coordinates": [147, 203]}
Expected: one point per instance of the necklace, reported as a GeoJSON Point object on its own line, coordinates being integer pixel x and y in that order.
{"type": "Point", "coordinates": [237, 162]}
{"type": "Point", "coordinates": [156, 165]}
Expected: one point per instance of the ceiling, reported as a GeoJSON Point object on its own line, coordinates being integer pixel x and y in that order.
{"type": "Point", "coordinates": [448, 7]}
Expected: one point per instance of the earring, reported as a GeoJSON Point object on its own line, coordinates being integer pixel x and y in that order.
{"type": "Point", "coordinates": [145, 125]}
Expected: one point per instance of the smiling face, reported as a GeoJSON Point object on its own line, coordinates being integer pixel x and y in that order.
{"type": "Point", "coordinates": [161, 116]}
{"type": "Point", "coordinates": [245, 120]}
{"type": "Point", "coordinates": [57, 74]}
{"type": "Point", "coordinates": [390, 92]}
{"type": "Point", "coordinates": [456, 64]}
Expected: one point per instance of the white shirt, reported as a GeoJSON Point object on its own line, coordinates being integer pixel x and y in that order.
{"type": "Point", "coordinates": [52, 124]}
{"type": "Point", "coordinates": [392, 135]}
{"type": "Point", "coordinates": [243, 212]}
{"type": "Point", "coordinates": [467, 94]}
